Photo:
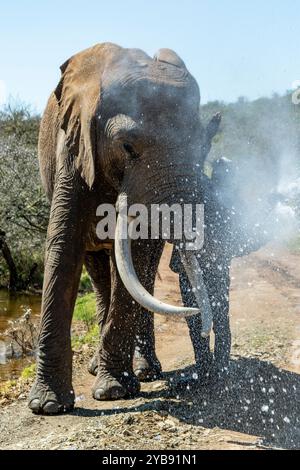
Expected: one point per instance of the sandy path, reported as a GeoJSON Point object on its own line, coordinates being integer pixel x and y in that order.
{"type": "Point", "coordinates": [259, 406]}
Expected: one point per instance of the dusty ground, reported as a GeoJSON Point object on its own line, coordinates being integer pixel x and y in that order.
{"type": "Point", "coordinates": [258, 407]}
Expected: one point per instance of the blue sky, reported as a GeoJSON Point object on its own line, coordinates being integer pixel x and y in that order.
{"type": "Point", "coordinates": [233, 48]}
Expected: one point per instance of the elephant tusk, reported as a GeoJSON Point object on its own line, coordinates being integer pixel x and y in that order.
{"type": "Point", "coordinates": [131, 281]}
{"type": "Point", "coordinates": [195, 275]}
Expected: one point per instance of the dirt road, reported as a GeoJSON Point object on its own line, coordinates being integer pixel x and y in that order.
{"type": "Point", "coordinates": [258, 406]}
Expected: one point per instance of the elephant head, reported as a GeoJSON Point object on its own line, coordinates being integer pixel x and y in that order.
{"type": "Point", "coordinates": [134, 122]}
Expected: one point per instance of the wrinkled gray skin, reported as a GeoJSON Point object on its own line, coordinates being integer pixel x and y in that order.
{"type": "Point", "coordinates": [119, 122]}
{"type": "Point", "coordinates": [228, 234]}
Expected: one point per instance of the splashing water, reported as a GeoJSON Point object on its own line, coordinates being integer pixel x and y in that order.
{"type": "Point", "coordinates": [287, 210]}
{"type": "Point", "coordinates": [290, 189]}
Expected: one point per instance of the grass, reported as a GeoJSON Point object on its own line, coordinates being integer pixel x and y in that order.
{"type": "Point", "coordinates": [85, 284]}
{"type": "Point", "coordinates": [29, 372]}
{"type": "Point", "coordinates": [90, 338]}
{"type": "Point", "coordinates": [6, 388]}
{"type": "Point", "coordinates": [11, 389]}
{"type": "Point", "coordinates": [85, 309]}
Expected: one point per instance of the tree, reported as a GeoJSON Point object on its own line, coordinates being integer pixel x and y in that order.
{"type": "Point", "coordinates": [23, 206]}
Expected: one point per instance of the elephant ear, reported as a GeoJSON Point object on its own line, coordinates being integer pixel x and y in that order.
{"type": "Point", "coordinates": [78, 94]}
{"type": "Point", "coordinates": [213, 126]}
{"type": "Point", "coordinates": [209, 133]}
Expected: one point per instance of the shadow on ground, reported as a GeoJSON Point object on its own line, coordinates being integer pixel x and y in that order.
{"type": "Point", "coordinates": [257, 398]}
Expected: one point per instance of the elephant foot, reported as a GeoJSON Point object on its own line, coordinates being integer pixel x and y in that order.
{"type": "Point", "coordinates": [93, 365]}
{"type": "Point", "coordinates": [48, 400]}
{"type": "Point", "coordinates": [147, 369]}
{"type": "Point", "coordinates": [114, 386]}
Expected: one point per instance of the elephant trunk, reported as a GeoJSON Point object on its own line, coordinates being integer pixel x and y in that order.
{"type": "Point", "coordinates": [195, 276]}
{"type": "Point", "coordinates": [139, 293]}
{"type": "Point", "coordinates": [129, 276]}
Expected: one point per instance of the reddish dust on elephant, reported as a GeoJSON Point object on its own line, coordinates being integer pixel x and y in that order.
{"type": "Point", "coordinates": [124, 129]}
{"type": "Point", "coordinates": [120, 126]}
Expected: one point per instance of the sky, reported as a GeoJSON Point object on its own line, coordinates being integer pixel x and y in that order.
{"type": "Point", "coordinates": [233, 48]}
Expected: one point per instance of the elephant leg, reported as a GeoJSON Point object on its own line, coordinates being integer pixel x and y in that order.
{"type": "Point", "coordinates": [203, 355]}
{"type": "Point", "coordinates": [52, 391]}
{"type": "Point", "coordinates": [115, 377]}
{"type": "Point", "coordinates": [146, 364]}
{"type": "Point", "coordinates": [202, 352]}
{"type": "Point", "coordinates": [98, 267]}
{"type": "Point", "coordinates": [220, 302]}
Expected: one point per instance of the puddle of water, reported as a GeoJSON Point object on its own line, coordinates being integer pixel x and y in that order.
{"type": "Point", "coordinates": [12, 307]}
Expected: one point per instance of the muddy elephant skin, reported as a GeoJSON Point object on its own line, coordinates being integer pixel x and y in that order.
{"type": "Point", "coordinates": [118, 123]}
{"type": "Point", "coordinates": [227, 236]}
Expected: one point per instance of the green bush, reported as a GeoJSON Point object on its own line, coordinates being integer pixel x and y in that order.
{"type": "Point", "coordinates": [29, 371]}
{"type": "Point", "coordinates": [91, 337]}
{"type": "Point", "coordinates": [24, 208]}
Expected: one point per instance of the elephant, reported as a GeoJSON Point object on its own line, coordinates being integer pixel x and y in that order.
{"type": "Point", "coordinates": [120, 126]}
{"type": "Point", "coordinates": [227, 236]}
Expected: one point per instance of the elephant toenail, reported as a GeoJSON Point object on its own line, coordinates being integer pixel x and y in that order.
{"type": "Point", "coordinates": [35, 406]}
{"type": "Point", "coordinates": [140, 373]}
{"type": "Point", "coordinates": [51, 407]}
{"type": "Point", "coordinates": [99, 394]}
{"type": "Point", "coordinates": [113, 393]}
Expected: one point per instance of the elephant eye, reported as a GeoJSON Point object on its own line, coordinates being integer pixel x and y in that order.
{"type": "Point", "coordinates": [130, 151]}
